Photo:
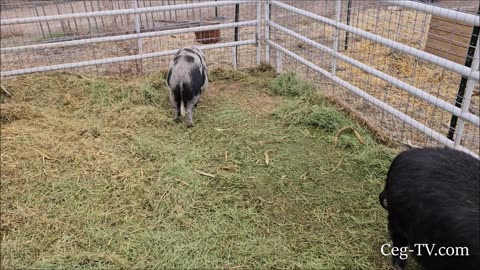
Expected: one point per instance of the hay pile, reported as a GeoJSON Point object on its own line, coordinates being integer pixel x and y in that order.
{"type": "Point", "coordinates": [95, 174]}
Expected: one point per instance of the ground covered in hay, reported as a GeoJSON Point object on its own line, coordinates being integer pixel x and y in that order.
{"type": "Point", "coordinates": [95, 174]}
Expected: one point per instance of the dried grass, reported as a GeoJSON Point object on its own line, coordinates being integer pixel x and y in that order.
{"type": "Point", "coordinates": [95, 174]}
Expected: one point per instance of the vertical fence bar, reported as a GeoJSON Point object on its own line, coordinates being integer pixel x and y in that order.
{"type": "Point", "coordinates": [48, 24]}
{"type": "Point", "coordinates": [349, 11]}
{"type": "Point", "coordinates": [40, 23]}
{"type": "Point", "coordinates": [267, 30]}
{"type": "Point", "coordinates": [336, 35]}
{"type": "Point", "coordinates": [169, 12]}
{"type": "Point", "coordinates": [88, 18]}
{"type": "Point", "coordinates": [62, 22]}
{"type": "Point", "coordinates": [147, 24]}
{"type": "Point", "coordinates": [69, 25]}
{"type": "Point", "coordinates": [94, 18]}
{"type": "Point", "coordinates": [138, 27]}
{"type": "Point", "coordinates": [137, 30]}
{"type": "Point", "coordinates": [468, 95]}
{"type": "Point", "coordinates": [259, 34]}
{"type": "Point", "coordinates": [200, 14]}
{"type": "Point", "coordinates": [164, 14]}
{"type": "Point", "coordinates": [472, 50]}
{"type": "Point", "coordinates": [101, 18]}
{"type": "Point", "coordinates": [175, 12]}
{"type": "Point", "coordinates": [237, 15]}
{"type": "Point", "coordinates": [193, 11]}
{"type": "Point", "coordinates": [151, 14]}
{"type": "Point", "coordinates": [77, 32]}
{"type": "Point", "coordinates": [121, 16]}
{"type": "Point", "coordinates": [234, 57]}
{"type": "Point", "coordinates": [279, 64]}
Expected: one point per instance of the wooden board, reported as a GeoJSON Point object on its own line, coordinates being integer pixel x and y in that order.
{"type": "Point", "coordinates": [448, 39]}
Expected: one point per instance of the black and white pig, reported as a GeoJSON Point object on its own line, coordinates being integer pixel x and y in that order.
{"type": "Point", "coordinates": [187, 79]}
{"type": "Point", "coordinates": [432, 199]}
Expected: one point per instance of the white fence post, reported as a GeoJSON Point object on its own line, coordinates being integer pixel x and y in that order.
{"type": "Point", "coordinates": [468, 95]}
{"type": "Point", "coordinates": [336, 35]}
{"type": "Point", "coordinates": [267, 31]}
{"type": "Point", "coordinates": [234, 57]}
{"type": "Point", "coordinates": [259, 34]}
{"type": "Point", "coordinates": [138, 23]}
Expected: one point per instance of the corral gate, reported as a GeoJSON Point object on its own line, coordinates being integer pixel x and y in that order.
{"type": "Point", "coordinates": [368, 49]}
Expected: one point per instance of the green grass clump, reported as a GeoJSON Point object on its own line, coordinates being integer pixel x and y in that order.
{"type": "Point", "coordinates": [103, 93]}
{"type": "Point", "coordinates": [323, 116]}
{"type": "Point", "coordinates": [106, 180]}
{"type": "Point", "coordinates": [151, 95]}
{"type": "Point", "coordinates": [375, 161]}
{"type": "Point", "coordinates": [226, 74]}
{"type": "Point", "coordinates": [291, 85]}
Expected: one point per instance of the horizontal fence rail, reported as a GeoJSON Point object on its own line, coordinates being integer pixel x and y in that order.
{"type": "Point", "coordinates": [129, 36]}
{"type": "Point", "coordinates": [460, 69]}
{"type": "Point", "coordinates": [119, 59]}
{"type": "Point", "coordinates": [442, 12]}
{"type": "Point", "coordinates": [121, 12]}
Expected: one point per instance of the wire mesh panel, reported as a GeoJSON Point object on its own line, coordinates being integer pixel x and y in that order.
{"type": "Point", "coordinates": [384, 57]}
{"type": "Point", "coordinates": [126, 30]}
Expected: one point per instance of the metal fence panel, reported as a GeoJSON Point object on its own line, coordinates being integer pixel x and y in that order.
{"type": "Point", "coordinates": [124, 37]}
{"type": "Point", "coordinates": [375, 50]}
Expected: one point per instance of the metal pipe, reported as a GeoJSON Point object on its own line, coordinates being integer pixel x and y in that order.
{"type": "Point", "coordinates": [126, 37]}
{"type": "Point", "coordinates": [40, 24]}
{"type": "Point", "coordinates": [258, 36]}
{"type": "Point", "coordinates": [336, 35]}
{"type": "Point", "coordinates": [267, 30]}
{"type": "Point", "coordinates": [137, 30]}
{"type": "Point", "coordinates": [472, 51]}
{"type": "Point", "coordinates": [349, 11]}
{"type": "Point", "coordinates": [454, 15]}
{"type": "Point", "coordinates": [465, 105]}
{"type": "Point", "coordinates": [235, 33]}
{"type": "Point", "coordinates": [121, 12]}
{"type": "Point", "coordinates": [118, 59]}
